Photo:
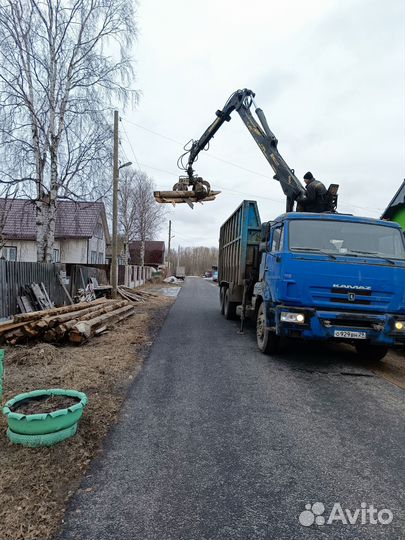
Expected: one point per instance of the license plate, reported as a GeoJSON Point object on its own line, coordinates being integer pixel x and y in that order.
{"type": "Point", "coordinates": [348, 334]}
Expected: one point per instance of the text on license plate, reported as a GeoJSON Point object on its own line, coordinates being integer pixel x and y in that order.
{"type": "Point", "coordinates": [348, 334]}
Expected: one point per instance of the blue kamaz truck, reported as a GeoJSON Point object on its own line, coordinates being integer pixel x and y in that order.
{"type": "Point", "coordinates": [315, 277]}
{"type": "Point", "coordinates": [305, 275]}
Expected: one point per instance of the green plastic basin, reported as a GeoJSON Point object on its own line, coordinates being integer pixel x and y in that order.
{"type": "Point", "coordinates": [40, 424]}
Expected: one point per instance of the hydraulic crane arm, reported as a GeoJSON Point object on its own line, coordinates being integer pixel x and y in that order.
{"type": "Point", "coordinates": [241, 101]}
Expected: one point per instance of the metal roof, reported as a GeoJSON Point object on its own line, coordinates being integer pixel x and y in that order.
{"type": "Point", "coordinates": [73, 219]}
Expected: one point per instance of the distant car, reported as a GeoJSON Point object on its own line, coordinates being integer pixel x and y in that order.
{"type": "Point", "coordinates": [208, 275]}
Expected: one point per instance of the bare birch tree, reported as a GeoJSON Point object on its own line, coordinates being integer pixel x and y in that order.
{"type": "Point", "coordinates": [141, 217]}
{"type": "Point", "coordinates": [127, 208]}
{"type": "Point", "coordinates": [62, 64]}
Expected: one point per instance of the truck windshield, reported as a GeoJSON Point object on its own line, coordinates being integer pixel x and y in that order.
{"type": "Point", "coordinates": [346, 238]}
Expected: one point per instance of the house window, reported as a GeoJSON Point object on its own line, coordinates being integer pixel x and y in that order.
{"type": "Point", "coordinates": [9, 253]}
{"type": "Point", "coordinates": [99, 231]}
{"type": "Point", "coordinates": [93, 257]}
{"type": "Point", "coordinates": [100, 258]}
{"type": "Point", "coordinates": [56, 256]}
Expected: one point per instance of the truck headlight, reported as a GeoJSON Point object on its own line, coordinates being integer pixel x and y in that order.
{"type": "Point", "coordinates": [297, 318]}
{"type": "Point", "coordinates": [399, 325]}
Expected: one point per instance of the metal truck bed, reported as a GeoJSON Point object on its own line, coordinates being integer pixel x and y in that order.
{"type": "Point", "coordinates": [239, 241]}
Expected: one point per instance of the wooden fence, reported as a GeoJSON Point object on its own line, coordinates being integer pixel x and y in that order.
{"type": "Point", "coordinates": [15, 275]}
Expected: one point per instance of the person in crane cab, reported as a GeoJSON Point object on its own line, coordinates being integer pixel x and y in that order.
{"type": "Point", "coordinates": [315, 198]}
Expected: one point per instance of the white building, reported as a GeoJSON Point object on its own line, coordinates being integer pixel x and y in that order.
{"type": "Point", "coordinates": [81, 231]}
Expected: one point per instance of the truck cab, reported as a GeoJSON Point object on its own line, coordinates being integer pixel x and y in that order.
{"type": "Point", "coordinates": [331, 277]}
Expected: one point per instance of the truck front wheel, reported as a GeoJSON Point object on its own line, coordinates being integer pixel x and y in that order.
{"type": "Point", "coordinates": [367, 351]}
{"type": "Point", "coordinates": [267, 341]}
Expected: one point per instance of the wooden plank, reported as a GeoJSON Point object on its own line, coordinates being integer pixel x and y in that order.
{"type": "Point", "coordinates": [39, 296]}
{"type": "Point", "coordinates": [50, 303]}
{"type": "Point", "coordinates": [130, 296]}
{"type": "Point", "coordinates": [27, 304]}
{"type": "Point", "coordinates": [65, 289]}
{"type": "Point", "coordinates": [21, 305]}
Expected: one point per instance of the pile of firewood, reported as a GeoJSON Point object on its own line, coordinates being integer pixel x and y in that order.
{"type": "Point", "coordinates": [75, 323]}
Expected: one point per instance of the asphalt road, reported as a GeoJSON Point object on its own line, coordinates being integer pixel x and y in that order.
{"type": "Point", "coordinates": [217, 441]}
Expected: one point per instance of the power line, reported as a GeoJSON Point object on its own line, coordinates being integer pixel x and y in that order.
{"type": "Point", "coordinates": [210, 155]}
{"type": "Point", "coordinates": [154, 132]}
{"type": "Point", "coordinates": [130, 145]}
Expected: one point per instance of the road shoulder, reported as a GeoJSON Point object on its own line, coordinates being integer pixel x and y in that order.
{"type": "Point", "coordinates": [36, 484]}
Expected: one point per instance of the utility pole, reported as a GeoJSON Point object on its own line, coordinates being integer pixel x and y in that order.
{"type": "Point", "coordinates": [168, 246]}
{"type": "Point", "coordinates": [114, 243]}
{"type": "Point", "coordinates": [114, 239]}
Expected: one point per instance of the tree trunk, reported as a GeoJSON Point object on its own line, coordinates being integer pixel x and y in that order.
{"type": "Point", "coordinates": [41, 210]}
{"type": "Point", "coordinates": [142, 253]}
{"type": "Point", "coordinates": [52, 202]}
{"type": "Point", "coordinates": [50, 237]}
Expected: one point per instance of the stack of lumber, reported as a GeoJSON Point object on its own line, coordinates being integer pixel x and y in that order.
{"type": "Point", "coordinates": [134, 295]}
{"type": "Point", "coordinates": [34, 297]}
{"type": "Point", "coordinates": [76, 323]}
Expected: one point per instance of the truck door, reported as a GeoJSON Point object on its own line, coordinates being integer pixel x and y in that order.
{"type": "Point", "coordinates": [274, 259]}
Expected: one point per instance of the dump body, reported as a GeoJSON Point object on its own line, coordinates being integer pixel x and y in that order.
{"type": "Point", "coordinates": [239, 240]}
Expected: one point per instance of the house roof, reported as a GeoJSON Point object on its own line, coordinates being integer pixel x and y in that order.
{"type": "Point", "coordinates": [73, 219]}
{"type": "Point", "coordinates": [397, 202]}
{"type": "Point", "coordinates": [154, 252]}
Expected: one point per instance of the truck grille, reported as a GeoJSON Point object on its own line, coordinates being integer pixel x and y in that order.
{"type": "Point", "coordinates": [350, 297]}
{"type": "Point", "coordinates": [357, 292]}
{"type": "Point", "coordinates": [352, 323]}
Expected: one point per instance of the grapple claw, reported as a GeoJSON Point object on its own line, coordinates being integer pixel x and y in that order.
{"type": "Point", "coordinates": [200, 192]}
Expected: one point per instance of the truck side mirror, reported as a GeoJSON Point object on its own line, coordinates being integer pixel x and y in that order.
{"type": "Point", "coordinates": [265, 236]}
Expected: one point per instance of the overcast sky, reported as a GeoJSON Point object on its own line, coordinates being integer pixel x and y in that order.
{"type": "Point", "coordinates": [329, 75]}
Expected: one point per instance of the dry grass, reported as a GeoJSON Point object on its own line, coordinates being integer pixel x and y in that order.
{"type": "Point", "coordinates": [36, 483]}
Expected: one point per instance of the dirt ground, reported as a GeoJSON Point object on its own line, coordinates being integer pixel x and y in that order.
{"type": "Point", "coordinates": [36, 483]}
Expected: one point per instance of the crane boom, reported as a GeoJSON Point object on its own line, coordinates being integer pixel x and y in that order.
{"type": "Point", "coordinates": [241, 101]}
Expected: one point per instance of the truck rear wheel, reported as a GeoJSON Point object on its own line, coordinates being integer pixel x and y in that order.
{"type": "Point", "coordinates": [367, 351]}
{"type": "Point", "coordinates": [267, 341]}
{"type": "Point", "coordinates": [229, 307]}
